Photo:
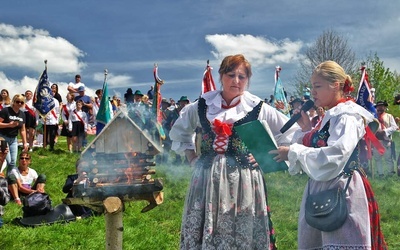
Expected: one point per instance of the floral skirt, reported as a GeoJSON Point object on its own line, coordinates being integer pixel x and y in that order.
{"type": "Point", "coordinates": [226, 208]}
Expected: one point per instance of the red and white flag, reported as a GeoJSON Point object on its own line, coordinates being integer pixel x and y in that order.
{"type": "Point", "coordinates": [208, 81]}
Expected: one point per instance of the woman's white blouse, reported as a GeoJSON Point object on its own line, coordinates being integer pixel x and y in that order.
{"type": "Point", "coordinates": [182, 133]}
{"type": "Point", "coordinates": [347, 127]}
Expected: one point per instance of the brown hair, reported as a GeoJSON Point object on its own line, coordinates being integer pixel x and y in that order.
{"type": "Point", "coordinates": [231, 62]}
{"type": "Point", "coordinates": [26, 154]}
{"type": "Point", "coordinates": [6, 100]}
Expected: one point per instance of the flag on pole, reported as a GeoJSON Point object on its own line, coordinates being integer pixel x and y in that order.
{"type": "Point", "coordinates": [364, 96]}
{"type": "Point", "coordinates": [208, 81]}
{"type": "Point", "coordinates": [157, 102]}
{"type": "Point", "coordinates": [104, 114]}
{"type": "Point", "coordinates": [364, 99]}
{"type": "Point", "coordinates": [43, 99]}
{"type": "Point", "coordinates": [280, 102]}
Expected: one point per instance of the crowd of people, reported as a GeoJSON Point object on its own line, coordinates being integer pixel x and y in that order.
{"type": "Point", "coordinates": [227, 203]}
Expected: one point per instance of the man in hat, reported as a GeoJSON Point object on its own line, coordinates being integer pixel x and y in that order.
{"type": "Point", "coordinates": [387, 126]}
{"type": "Point", "coordinates": [87, 101]}
{"type": "Point", "coordinates": [137, 97]}
{"type": "Point", "coordinates": [169, 122]}
{"type": "Point", "coordinates": [73, 86]}
{"type": "Point", "coordinates": [296, 103]}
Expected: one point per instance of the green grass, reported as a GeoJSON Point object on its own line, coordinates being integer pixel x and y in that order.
{"type": "Point", "coordinates": [160, 227]}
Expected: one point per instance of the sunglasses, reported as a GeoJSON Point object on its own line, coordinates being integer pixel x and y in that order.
{"type": "Point", "coordinates": [24, 158]}
{"type": "Point", "coordinates": [19, 102]}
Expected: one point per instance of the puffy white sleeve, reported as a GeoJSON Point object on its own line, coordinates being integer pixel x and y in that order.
{"type": "Point", "coordinates": [183, 132]}
{"type": "Point", "coordinates": [326, 163]}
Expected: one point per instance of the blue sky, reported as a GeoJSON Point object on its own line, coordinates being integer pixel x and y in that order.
{"type": "Point", "coordinates": [128, 37]}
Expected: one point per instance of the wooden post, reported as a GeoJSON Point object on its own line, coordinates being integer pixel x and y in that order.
{"type": "Point", "coordinates": [114, 228]}
{"type": "Point", "coordinates": [44, 133]}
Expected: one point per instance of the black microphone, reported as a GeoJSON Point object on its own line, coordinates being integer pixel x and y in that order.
{"type": "Point", "coordinates": [306, 106]}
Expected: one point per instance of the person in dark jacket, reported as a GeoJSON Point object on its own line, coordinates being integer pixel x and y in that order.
{"type": "Point", "coordinates": [76, 179]}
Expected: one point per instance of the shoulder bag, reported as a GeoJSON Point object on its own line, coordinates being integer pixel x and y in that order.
{"type": "Point", "coordinates": [327, 210]}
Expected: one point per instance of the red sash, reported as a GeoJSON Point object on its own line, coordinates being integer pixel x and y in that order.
{"type": "Point", "coordinates": [54, 114]}
{"type": "Point", "coordinates": [79, 117]}
{"type": "Point", "coordinates": [66, 111]}
{"type": "Point", "coordinates": [31, 112]}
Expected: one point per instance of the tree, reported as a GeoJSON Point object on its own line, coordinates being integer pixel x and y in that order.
{"type": "Point", "coordinates": [329, 46]}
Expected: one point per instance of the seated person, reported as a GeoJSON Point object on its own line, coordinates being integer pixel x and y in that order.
{"type": "Point", "coordinates": [76, 179]}
{"type": "Point", "coordinates": [24, 180]}
{"type": "Point", "coordinates": [4, 195]}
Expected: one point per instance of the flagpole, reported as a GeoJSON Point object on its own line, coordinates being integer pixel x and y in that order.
{"type": "Point", "coordinates": [363, 72]}
{"type": "Point", "coordinates": [44, 118]}
{"type": "Point", "coordinates": [105, 75]}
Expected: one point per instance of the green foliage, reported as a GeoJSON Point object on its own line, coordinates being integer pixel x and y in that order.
{"type": "Point", "coordinates": [382, 79]}
{"type": "Point", "coordinates": [160, 228]}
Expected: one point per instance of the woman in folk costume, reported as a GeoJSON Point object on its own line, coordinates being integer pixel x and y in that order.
{"type": "Point", "coordinates": [226, 205]}
{"type": "Point", "coordinates": [328, 154]}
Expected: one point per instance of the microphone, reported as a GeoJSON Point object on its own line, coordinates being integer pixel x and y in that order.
{"type": "Point", "coordinates": [306, 106]}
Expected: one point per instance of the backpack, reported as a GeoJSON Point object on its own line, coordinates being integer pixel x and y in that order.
{"type": "Point", "coordinates": [36, 204]}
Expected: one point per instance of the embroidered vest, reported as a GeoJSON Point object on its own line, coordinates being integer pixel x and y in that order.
{"type": "Point", "coordinates": [236, 151]}
{"type": "Point", "coordinates": [320, 138]}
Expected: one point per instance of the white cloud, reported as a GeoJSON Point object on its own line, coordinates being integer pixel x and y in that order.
{"type": "Point", "coordinates": [28, 83]}
{"type": "Point", "coordinates": [258, 50]}
{"type": "Point", "coordinates": [114, 80]}
{"type": "Point", "coordinates": [27, 48]}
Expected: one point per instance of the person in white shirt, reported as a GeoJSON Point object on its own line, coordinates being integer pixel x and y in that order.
{"type": "Point", "coordinates": [74, 86]}
{"type": "Point", "coordinates": [227, 196]}
{"type": "Point", "coordinates": [24, 180]}
{"type": "Point", "coordinates": [78, 126]}
{"type": "Point", "coordinates": [66, 111]}
{"type": "Point", "coordinates": [329, 155]}
{"type": "Point", "coordinates": [30, 116]}
{"type": "Point", "coordinates": [387, 126]}
{"type": "Point", "coordinates": [51, 122]}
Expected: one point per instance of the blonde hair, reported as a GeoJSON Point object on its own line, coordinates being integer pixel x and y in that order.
{"type": "Point", "coordinates": [145, 98]}
{"type": "Point", "coordinates": [18, 97]}
{"type": "Point", "coordinates": [332, 72]}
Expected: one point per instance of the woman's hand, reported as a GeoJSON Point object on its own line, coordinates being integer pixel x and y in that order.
{"type": "Point", "coordinates": [193, 161]}
{"type": "Point", "coordinates": [304, 121]}
{"type": "Point", "coordinates": [252, 160]}
{"type": "Point", "coordinates": [281, 153]}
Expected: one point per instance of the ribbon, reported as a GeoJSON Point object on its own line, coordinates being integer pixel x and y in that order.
{"type": "Point", "coordinates": [221, 128]}
{"type": "Point", "coordinates": [371, 139]}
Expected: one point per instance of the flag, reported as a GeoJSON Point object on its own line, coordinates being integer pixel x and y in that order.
{"type": "Point", "coordinates": [208, 81]}
{"type": "Point", "coordinates": [280, 102]}
{"type": "Point", "coordinates": [157, 102]}
{"type": "Point", "coordinates": [104, 114]}
{"type": "Point", "coordinates": [364, 99]}
{"type": "Point", "coordinates": [364, 96]}
{"type": "Point", "coordinates": [43, 99]}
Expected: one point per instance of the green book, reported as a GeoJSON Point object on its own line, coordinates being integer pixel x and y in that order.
{"type": "Point", "coordinates": [258, 138]}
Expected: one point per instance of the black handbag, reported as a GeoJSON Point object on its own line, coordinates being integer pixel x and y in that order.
{"type": "Point", "coordinates": [327, 210]}
{"type": "Point", "coordinates": [36, 204]}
